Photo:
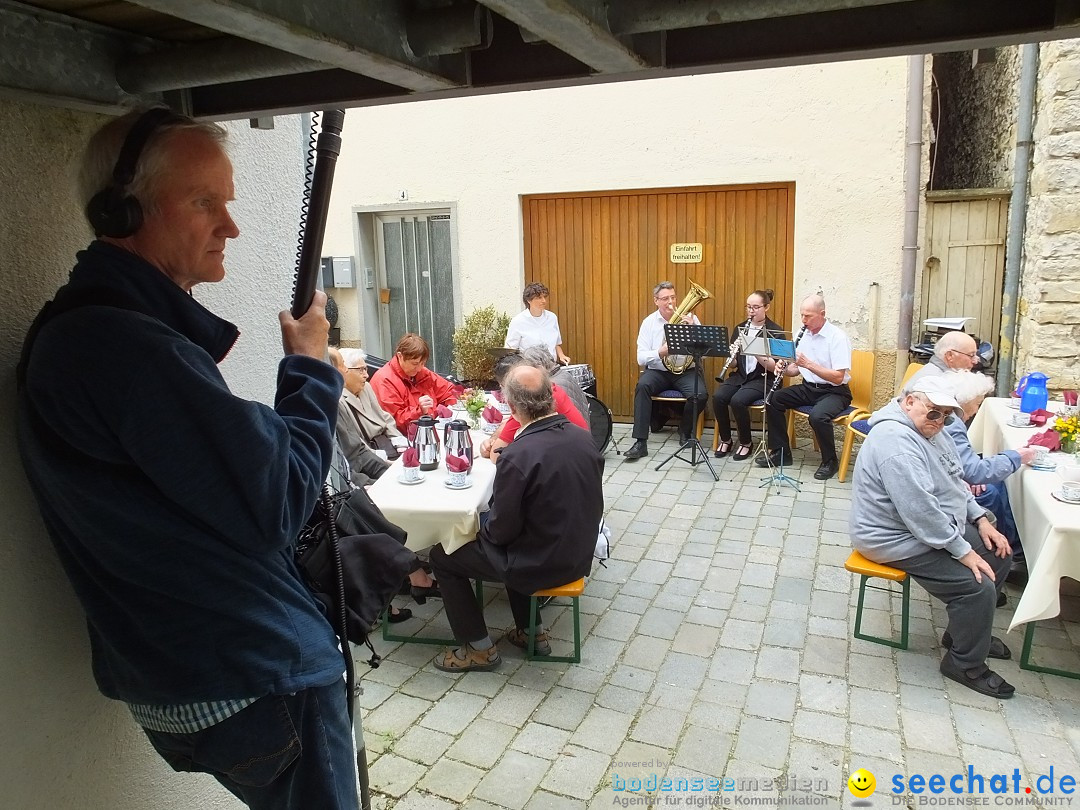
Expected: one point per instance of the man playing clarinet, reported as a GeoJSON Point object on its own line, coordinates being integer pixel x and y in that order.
{"type": "Point", "coordinates": [823, 359]}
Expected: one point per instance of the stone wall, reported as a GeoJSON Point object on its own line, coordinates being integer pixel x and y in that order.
{"type": "Point", "coordinates": [1048, 339]}
{"type": "Point", "coordinates": [974, 114]}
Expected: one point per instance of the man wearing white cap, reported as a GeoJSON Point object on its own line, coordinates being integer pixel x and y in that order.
{"type": "Point", "coordinates": [912, 511]}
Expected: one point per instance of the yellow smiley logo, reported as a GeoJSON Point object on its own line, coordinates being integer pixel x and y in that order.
{"type": "Point", "coordinates": [861, 783]}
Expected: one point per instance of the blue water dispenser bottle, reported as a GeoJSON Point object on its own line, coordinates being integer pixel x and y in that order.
{"type": "Point", "coordinates": [1034, 396]}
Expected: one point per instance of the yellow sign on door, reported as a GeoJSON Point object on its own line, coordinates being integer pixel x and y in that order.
{"type": "Point", "coordinates": [686, 252]}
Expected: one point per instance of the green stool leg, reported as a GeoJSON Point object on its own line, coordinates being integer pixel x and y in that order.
{"type": "Point", "coordinates": [1025, 657]}
{"type": "Point", "coordinates": [442, 642]}
{"type": "Point", "coordinates": [530, 649]}
{"type": "Point", "coordinates": [905, 601]}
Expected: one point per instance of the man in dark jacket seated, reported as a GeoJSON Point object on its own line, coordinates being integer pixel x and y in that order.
{"type": "Point", "coordinates": [541, 530]}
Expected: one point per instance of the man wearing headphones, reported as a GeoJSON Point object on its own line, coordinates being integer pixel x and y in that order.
{"type": "Point", "coordinates": [173, 504]}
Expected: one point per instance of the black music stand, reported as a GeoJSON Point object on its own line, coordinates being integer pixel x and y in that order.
{"type": "Point", "coordinates": [698, 342]}
{"type": "Point", "coordinates": [784, 349]}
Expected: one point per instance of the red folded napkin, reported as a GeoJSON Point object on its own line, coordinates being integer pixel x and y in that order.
{"type": "Point", "coordinates": [411, 457]}
{"type": "Point", "coordinates": [1039, 417]}
{"type": "Point", "coordinates": [498, 396]}
{"type": "Point", "coordinates": [458, 389]}
{"type": "Point", "coordinates": [443, 412]}
{"type": "Point", "coordinates": [1070, 397]}
{"type": "Point", "coordinates": [457, 464]}
{"type": "Point", "coordinates": [491, 415]}
{"type": "Point", "coordinates": [1048, 438]}
{"type": "Point", "coordinates": [410, 431]}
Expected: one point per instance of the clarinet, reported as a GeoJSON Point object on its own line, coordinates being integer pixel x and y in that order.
{"type": "Point", "coordinates": [781, 365]}
{"type": "Point", "coordinates": [736, 347]}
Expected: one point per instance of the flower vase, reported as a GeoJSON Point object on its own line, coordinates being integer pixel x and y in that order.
{"type": "Point", "coordinates": [474, 420]}
{"type": "Point", "coordinates": [1068, 446]}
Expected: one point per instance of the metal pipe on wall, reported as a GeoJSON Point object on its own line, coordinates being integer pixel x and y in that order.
{"type": "Point", "coordinates": [912, 189]}
{"type": "Point", "coordinates": [1014, 241]}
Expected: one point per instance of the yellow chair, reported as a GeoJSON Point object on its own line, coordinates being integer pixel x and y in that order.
{"type": "Point", "coordinates": [862, 389]}
{"type": "Point", "coordinates": [858, 426]}
{"type": "Point", "coordinates": [572, 590]}
{"type": "Point", "coordinates": [858, 564]}
{"type": "Point", "coordinates": [672, 395]}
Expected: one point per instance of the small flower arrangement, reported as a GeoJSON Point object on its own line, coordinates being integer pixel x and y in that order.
{"type": "Point", "coordinates": [474, 400]}
{"type": "Point", "coordinates": [1067, 426]}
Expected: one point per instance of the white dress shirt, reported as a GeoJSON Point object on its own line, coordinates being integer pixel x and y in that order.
{"type": "Point", "coordinates": [830, 347]}
{"type": "Point", "coordinates": [526, 330]}
{"type": "Point", "coordinates": [649, 339]}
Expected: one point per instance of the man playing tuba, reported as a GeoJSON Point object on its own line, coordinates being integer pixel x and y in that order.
{"type": "Point", "coordinates": [656, 376]}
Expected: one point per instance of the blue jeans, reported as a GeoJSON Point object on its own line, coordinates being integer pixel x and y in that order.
{"type": "Point", "coordinates": [283, 752]}
{"type": "Point", "coordinates": [996, 499]}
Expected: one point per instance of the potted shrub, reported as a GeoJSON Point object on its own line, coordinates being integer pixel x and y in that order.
{"type": "Point", "coordinates": [482, 330]}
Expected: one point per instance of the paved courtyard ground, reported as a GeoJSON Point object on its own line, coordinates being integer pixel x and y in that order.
{"type": "Point", "coordinates": [717, 643]}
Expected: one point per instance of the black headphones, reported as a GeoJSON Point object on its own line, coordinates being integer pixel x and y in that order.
{"type": "Point", "coordinates": [113, 211]}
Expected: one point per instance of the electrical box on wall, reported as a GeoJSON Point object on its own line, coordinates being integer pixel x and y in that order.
{"type": "Point", "coordinates": [344, 275]}
{"type": "Point", "coordinates": [337, 271]}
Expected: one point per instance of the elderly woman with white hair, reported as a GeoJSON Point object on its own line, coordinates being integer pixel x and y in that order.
{"type": "Point", "coordinates": [363, 426]}
{"type": "Point", "coordinates": [985, 475]}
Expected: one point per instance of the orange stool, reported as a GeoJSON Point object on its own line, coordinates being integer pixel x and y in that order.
{"type": "Point", "coordinates": [574, 591]}
{"type": "Point", "coordinates": [858, 564]}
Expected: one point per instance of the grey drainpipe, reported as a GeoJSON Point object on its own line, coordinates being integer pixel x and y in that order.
{"type": "Point", "coordinates": [912, 176]}
{"type": "Point", "coordinates": [1014, 243]}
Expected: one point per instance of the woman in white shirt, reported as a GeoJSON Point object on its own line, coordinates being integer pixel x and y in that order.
{"type": "Point", "coordinates": [536, 326]}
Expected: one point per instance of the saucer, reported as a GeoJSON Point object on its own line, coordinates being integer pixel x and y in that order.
{"type": "Point", "coordinates": [419, 480]}
{"type": "Point", "coordinates": [1044, 467]}
{"type": "Point", "coordinates": [468, 483]}
{"type": "Point", "coordinates": [1014, 404]}
{"type": "Point", "coordinates": [1058, 496]}
{"type": "Point", "coordinates": [1022, 427]}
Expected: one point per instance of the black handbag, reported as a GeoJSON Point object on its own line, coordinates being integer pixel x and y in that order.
{"type": "Point", "coordinates": [374, 562]}
{"type": "Point", "coordinates": [380, 441]}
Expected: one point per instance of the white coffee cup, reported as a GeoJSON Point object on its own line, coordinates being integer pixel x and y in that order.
{"type": "Point", "coordinates": [1070, 482]}
{"type": "Point", "coordinates": [410, 473]}
{"type": "Point", "coordinates": [1020, 419]}
{"type": "Point", "coordinates": [1042, 455]}
{"type": "Point", "coordinates": [457, 479]}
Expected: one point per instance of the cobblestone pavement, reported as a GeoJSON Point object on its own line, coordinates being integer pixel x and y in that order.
{"type": "Point", "coordinates": [717, 643]}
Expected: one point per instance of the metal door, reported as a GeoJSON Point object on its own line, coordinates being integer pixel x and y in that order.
{"type": "Point", "coordinates": [965, 259]}
{"type": "Point", "coordinates": [417, 276]}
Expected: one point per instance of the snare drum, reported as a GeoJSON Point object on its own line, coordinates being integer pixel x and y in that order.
{"type": "Point", "coordinates": [582, 374]}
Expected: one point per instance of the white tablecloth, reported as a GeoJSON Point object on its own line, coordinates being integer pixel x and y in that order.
{"type": "Point", "coordinates": [431, 512]}
{"type": "Point", "coordinates": [1049, 529]}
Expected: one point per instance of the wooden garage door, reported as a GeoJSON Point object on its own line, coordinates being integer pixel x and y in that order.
{"type": "Point", "coordinates": [601, 253]}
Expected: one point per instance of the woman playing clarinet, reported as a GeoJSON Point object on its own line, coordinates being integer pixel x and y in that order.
{"type": "Point", "coordinates": [748, 380]}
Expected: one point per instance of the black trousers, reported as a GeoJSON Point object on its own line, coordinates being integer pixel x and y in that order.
{"type": "Point", "coordinates": [828, 402]}
{"type": "Point", "coordinates": [454, 572]}
{"type": "Point", "coordinates": [652, 382]}
{"type": "Point", "coordinates": [734, 398]}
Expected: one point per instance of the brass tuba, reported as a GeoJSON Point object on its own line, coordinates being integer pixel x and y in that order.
{"type": "Point", "coordinates": [678, 363]}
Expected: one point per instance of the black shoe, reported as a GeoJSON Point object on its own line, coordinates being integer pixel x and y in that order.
{"type": "Point", "coordinates": [997, 647]}
{"type": "Point", "coordinates": [982, 679]}
{"type": "Point", "coordinates": [421, 595]}
{"type": "Point", "coordinates": [683, 439]}
{"type": "Point", "coordinates": [640, 449]}
{"type": "Point", "coordinates": [744, 452]}
{"type": "Point", "coordinates": [1003, 599]}
{"type": "Point", "coordinates": [775, 458]}
{"type": "Point", "coordinates": [826, 471]}
{"type": "Point", "coordinates": [403, 615]}
{"type": "Point", "coordinates": [723, 448]}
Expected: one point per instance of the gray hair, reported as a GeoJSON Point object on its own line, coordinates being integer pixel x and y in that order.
{"type": "Point", "coordinates": [539, 357]}
{"type": "Point", "coordinates": [528, 392]}
{"type": "Point", "coordinates": [663, 285]}
{"type": "Point", "coordinates": [103, 150]}
{"type": "Point", "coordinates": [354, 358]}
{"type": "Point", "coordinates": [816, 301]}
{"type": "Point", "coordinates": [966, 386]}
{"type": "Point", "coordinates": [951, 342]}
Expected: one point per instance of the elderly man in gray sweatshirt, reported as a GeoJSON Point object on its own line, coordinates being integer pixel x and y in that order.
{"type": "Point", "coordinates": [912, 511]}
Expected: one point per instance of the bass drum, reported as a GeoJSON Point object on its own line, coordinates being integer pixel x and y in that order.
{"type": "Point", "coordinates": [600, 423]}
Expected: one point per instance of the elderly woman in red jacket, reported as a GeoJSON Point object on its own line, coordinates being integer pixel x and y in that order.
{"type": "Point", "coordinates": [405, 388]}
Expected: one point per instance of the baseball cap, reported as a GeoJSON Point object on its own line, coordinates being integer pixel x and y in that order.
{"type": "Point", "coordinates": [936, 389]}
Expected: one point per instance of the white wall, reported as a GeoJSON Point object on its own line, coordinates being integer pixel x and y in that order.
{"type": "Point", "coordinates": [836, 130]}
{"type": "Point", "coordinates": [64, 746]}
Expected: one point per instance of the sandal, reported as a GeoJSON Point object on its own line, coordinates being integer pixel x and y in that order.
{"type": "Point", "coordinates": [723, 448]}
{"type": "Point", "coordinates": [980, 679]}
{"type": "Point", "coordinates": [744, 452]}
{"type": "Point", "coordinates": [997, 647]}
{"type": "Point", "coordinates": [467, 659]}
